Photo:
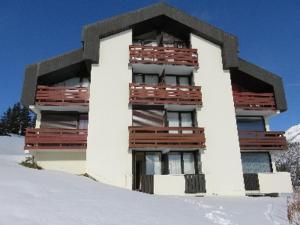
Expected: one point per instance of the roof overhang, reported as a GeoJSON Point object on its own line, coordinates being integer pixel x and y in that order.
{"type": "Point", "coordinates": [57, 66]}
{"type": "Point", "coordinates": [93, 32]}
{"type": "Point", "coordinates": [274, 80]}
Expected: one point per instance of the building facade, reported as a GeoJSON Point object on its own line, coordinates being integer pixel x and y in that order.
{"type": "Point", "coordinates": [159, 102]}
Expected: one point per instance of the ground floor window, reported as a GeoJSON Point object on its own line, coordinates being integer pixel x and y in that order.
{"type": "Point", "coordinates": [153, 163]}
{"type": "Point", "coordinates": [179, 162]}
{"type": "Point", "coordinates": [182, 162]}
{"type": "Point", "coordinates": [256, 162]}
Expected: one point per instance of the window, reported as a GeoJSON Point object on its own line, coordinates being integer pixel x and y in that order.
{"type": "Point", "coordinates": [256, 162]}
{"type": "Point", "coordinates": [153, 163]}
{"type": "Point", "coordinates": [188, 163]}
{"type": "Point", "coordinates": [182, 163]}
{"type": "Point", "coordinates": [145, 78]}
{"type": "Point", "coordinates": [175, 163]}
{"type": "Point", "coordinates": [177, 80]}
{"type": "Point", "coordinates": [180, 119]}
{"type": "Point", "coordinates": [251, 123]}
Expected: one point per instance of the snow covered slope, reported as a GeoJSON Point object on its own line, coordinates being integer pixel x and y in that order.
{"type": "Point", "coordinates": [12, 145]}
{"type": "Point", "coordinates": [39, 197]}
{"type": "Point", "coordinates": [293, 134]}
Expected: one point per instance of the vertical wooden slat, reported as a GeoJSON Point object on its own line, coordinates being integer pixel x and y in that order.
{"type": "Point", "coordinates": [147, 183]}
{"type": "Point", "coordinates": [195, 183]}
{"type": "Point", "coordinates": [251, 181]}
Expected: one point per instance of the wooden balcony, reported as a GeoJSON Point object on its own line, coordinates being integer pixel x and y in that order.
{"type": "Point", "coordinates": [62, 96]}
{"type": "Point", "coordinates": [164, 94]}
{"type": "Point", "coordinates": [166, 137]}
{"type": "Point", "coordinates": [163, 55]}
{"type": "Point", "coordinates": [56, 139]}
{"type": "Point", "coordinates": [254, 101]}
{"type": "Point", "coordinates": [262, 140]}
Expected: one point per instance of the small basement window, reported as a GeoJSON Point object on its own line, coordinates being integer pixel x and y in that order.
{"type": "Point", "coordinates": [256, 162]}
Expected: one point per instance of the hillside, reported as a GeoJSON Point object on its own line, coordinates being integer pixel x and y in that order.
{"type": "Point", "coordinates": [39, 197]}
{"type": "Point", "coordinates": [293, 134]}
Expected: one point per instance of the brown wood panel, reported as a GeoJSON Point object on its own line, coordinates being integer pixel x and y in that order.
{"type": "Point", "coordinates": [251, 181]}
{"type": "Point", "coordinates": [195, 183]}
{"type": "Point", "coordinates": [147, 184]}
{"type": "Point", "coordinates": [50, 138]}
{"type": "Point", "coordinates": [163, 55]}
{"type": "Point", "coordinates": [262, 140]}
{"type": "Point", "coordinates": [164, 94]}
{"type": "Point", "coordinates": [170, 137]}
{"type": "Point", "coordinates": [61, 96]}
{"type": "Point", "coordinates": [254, 101]}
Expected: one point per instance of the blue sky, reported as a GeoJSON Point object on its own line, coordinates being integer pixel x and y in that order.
{"type": "Point", "coordinates": [268, 32]}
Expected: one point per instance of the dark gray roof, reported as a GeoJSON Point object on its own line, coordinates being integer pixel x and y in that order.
{"type": "Point", "coordinates": [93, 32]}
{"type": "Point", "coordinates": [52, 65]}
{"type": "Point", "coordinates": [274, 80]}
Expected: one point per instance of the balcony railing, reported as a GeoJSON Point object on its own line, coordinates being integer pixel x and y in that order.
{"type": "Point", "coordinates": [254, 101]}
{"type": "Point", "coordinates": [166, 137]}
{"type": "Point", "coordinates": [52, 138]}
{"type": "Point", "coordinates": [163, 55]}
{"type": "Point", "coordinates": [262, 140]}
{"type": "Point", "coordinates": [62, 96]}
{"type": "Point", "coordinates": [164, 94]}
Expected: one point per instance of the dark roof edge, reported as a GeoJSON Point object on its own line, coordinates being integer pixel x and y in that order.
{"type": "Point", "coordinates": [59, 61]}
{"type": "Point", "coordinates": [92, 32]}
{"type": "Point", "coordinates": [267, 77]}
{"type": "Point", "coordinates": [33, 71]}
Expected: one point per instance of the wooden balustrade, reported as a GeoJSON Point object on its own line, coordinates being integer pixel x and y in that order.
{"type": "Point", "coordinates": [262, 140]}
{"type": "Point", "coordinates": [62, 96]}
{"type": "Point", "coordinates": [163, 55]}
{"type": "Point", "coordinates": [166, 137]}
{"type": "Point", "coordinates": [53, 138]}
{"type": "Point", "coordinates": [254, 101]}
{"type": "Point", "coordinates": [164, 94]}
{"type": "Point", "coordinates": [251, 181]}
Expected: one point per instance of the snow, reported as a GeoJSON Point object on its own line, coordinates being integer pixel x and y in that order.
{"type": "Point", "coordinates": [40, 197]}
{"type": "Point", "coordinates": [293, 134]}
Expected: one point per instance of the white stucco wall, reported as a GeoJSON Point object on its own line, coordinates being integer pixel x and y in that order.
{"type": "Point", "coordinates": [67, 161]}
{"type": "Point", "coordinates": [108, 159]}
{"type": "Point", "coordinates": [279, 182]}
{"type": "Point", "coordinates": [38, 120]}
{"type": "Point", "coordinates": [221, 161]}
{"type": "Point", "coordinates": [169, 184]}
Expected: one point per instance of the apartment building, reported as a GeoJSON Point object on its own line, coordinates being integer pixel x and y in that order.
{"type": "Point", "coordinates": [158, 101]}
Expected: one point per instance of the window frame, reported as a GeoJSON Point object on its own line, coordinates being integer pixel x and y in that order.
{"type": "Point", "coordinates": [181, 153]}
{"type": "Point", "coordinates": [178, 79]}
{"type": "Point", "coordinates": [180, 117]}
{"type": "Point", "coordinates": [261, 152]}
{"type": "Point", "coordinates": [143, 77]}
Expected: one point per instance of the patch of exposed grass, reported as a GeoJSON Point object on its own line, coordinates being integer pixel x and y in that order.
{"type": "Point", "coordinates": [29, 162]}
{"type": "Point", "coordinates": [88, 176]}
